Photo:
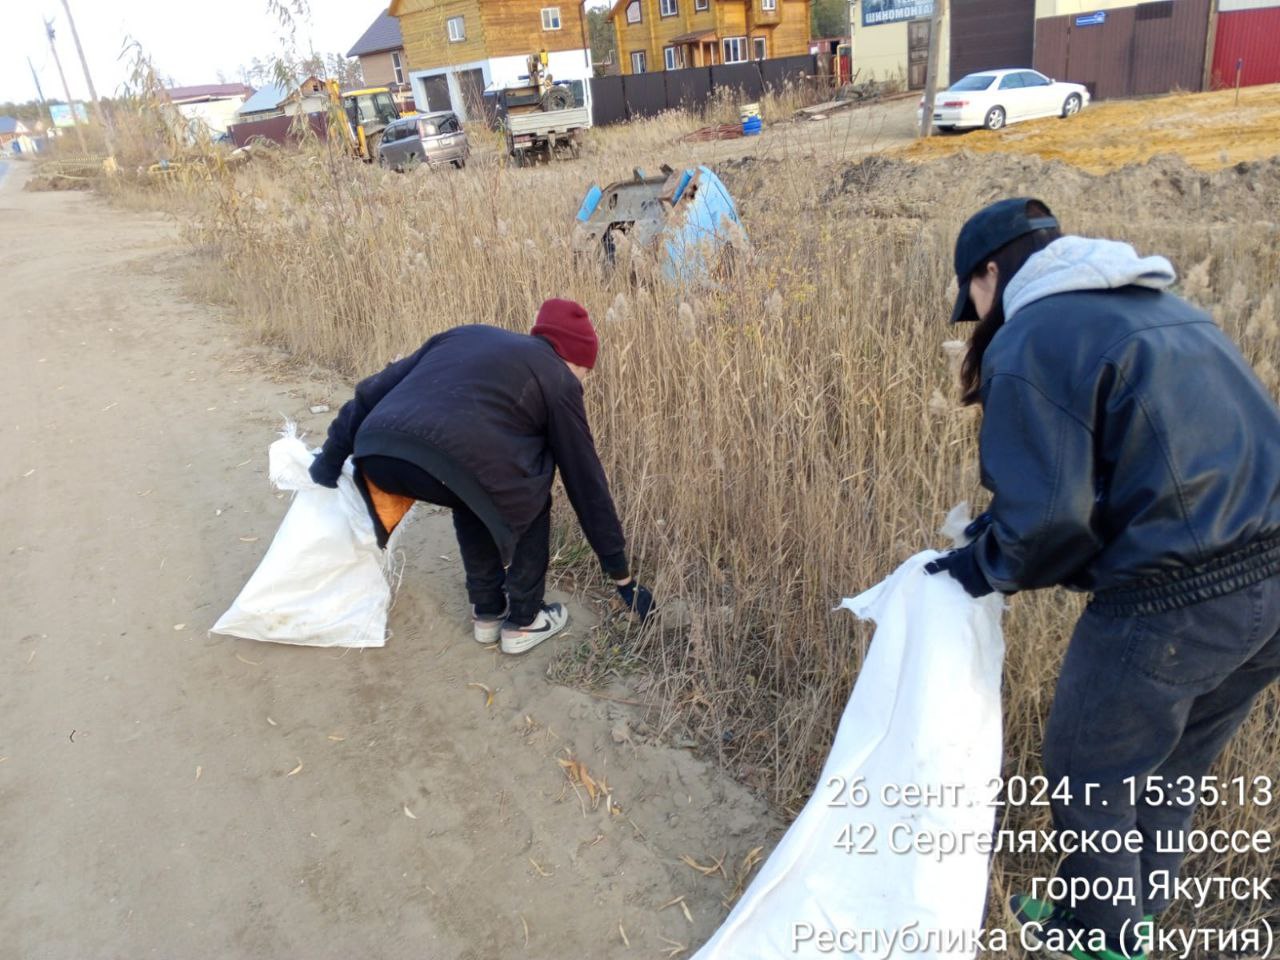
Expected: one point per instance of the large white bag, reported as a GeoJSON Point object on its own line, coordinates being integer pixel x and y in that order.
{"type": "Point", "coordinates": [321, 582]}
{"type": "Point", "coordinates": [924, 716]}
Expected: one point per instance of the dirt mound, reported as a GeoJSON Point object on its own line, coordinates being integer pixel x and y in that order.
{"type": "Point", "coordinates": [57, 182]}
{"type": "Point", "coordinates": [1165, 186]}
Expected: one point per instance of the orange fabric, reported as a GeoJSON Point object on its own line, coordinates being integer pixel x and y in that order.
{"type": "Point", "coordinates": [390, 507]}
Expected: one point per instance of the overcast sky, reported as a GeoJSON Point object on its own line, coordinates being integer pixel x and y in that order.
{"type": "Point", "coordinates": [189, 41]}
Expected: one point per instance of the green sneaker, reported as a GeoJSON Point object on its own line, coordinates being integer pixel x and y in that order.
{"type": "Point", "coordinates": [1054, 924]}
{"type": "Point", "coordinates": [1026, 910]}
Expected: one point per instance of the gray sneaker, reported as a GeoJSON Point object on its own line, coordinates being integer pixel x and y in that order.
{"type": "Point", "coordinates": [487, 628]}
{"type": "Point", "coordinates": [551, 619]}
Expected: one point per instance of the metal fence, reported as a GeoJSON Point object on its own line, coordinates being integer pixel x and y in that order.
{"type": "Point", "coordinates": [618, 99]}
{"type": "Point", "coordinates": [276, 129]}
{"type": "Point", "coordinates": [1150, 48]}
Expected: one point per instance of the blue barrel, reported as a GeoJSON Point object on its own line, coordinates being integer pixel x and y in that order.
{"type": "Point", "coordinates": [752, 126]}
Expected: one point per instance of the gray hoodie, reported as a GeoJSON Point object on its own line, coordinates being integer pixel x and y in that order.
{"type": "Point", "coordinates": [1082, 263]}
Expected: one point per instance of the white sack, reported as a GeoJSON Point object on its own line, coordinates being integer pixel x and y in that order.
{"type": "Point", "coordinates": [925, 712]}
{"type": "Point", "coordinates": [321, 582]}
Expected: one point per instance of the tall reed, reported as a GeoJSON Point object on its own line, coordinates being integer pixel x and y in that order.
{"type": "Point", "coordinates": [775, 442]}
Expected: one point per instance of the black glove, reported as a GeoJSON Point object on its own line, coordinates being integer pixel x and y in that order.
{"type": "Point", "coordinates": [637, 599]}
{"type": "Point", "coordinates": [962, 564]}
{"type": "Point", "coordinates": [980, 523]}
{"type": "Point", "coordinates": [322, 472]}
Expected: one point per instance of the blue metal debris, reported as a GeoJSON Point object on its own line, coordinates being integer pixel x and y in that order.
{"type": "Point", "coordinates": [687, 218]}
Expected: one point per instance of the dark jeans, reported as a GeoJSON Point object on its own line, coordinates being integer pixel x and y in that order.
{"type": "Point", "coordinates": [489, 586]}
{"type": "Point", "coordinates": [1155, 696]}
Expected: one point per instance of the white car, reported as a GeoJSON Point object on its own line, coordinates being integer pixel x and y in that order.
{"type": "Point", "coordinates": [993, 98]}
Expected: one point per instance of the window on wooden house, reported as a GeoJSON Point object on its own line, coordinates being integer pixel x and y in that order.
{"type": "Point", "coordinates": [735, 49]}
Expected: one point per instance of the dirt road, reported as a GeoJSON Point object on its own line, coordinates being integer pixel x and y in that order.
{"type": "Point", "coordinates": [166, 793]}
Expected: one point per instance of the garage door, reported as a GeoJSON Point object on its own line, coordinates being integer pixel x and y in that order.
{"type": "Point", "coordinates": [471, 86]}
{"type": "Point", "coordinates": [990, 34]}
{"type": "Point", "coordinates": [437, 90]}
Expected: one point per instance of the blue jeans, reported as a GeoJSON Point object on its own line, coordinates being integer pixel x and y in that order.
{"type": "Point", "coordinates": [489, 586]}
{"type": "Point", "coordinates": [1147, 696]}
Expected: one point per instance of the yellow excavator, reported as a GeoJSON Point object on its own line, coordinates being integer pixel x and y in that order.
{"type": "Point", "coordinates": [368, 111]}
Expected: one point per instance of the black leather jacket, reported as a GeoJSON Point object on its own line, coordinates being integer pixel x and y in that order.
{"type": "Point", "coordinates": [1130, 451]}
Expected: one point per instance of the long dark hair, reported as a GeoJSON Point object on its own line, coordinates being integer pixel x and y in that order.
{"type": "Point", "coordinates": [1009, 259]}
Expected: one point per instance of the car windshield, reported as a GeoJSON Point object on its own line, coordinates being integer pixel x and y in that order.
{"type": "Point", "coordinates": [428, 128]}
{"type": "Point", "coordinates": [376, 108]}
{"type": "Point", "coordinates": [975, 81]}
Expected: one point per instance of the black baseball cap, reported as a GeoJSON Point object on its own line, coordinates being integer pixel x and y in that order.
{"type": "Point", "coordinates": [987, 231]}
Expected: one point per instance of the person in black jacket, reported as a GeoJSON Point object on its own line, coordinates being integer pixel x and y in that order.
{"type": "Point", "coordinates": [478, 420]}
{"type": "Point", "coordinates": [1130, 452]}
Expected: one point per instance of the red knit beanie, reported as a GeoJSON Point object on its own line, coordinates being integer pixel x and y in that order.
{"type": "Point", "coordinates": [568, 327]}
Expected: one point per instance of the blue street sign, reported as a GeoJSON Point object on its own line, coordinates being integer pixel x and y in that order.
{"type": "Point", "coordinates": [1092, 19]}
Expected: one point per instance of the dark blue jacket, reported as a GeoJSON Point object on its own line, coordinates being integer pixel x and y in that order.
{"type": "Point", "coordinates": [491, 414]}
{"type": "Point", "coordinates": [1131, 452]}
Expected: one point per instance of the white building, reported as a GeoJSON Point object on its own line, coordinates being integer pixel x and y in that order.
{"type": "Point", "coordinates": [214, 106]}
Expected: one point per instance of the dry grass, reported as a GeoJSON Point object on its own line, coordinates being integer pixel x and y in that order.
{"type": "Point", "coordinates": [773, 445]}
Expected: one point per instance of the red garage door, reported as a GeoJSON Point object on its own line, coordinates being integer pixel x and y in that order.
{"type": "Point", "coordinates": [1252, 36]}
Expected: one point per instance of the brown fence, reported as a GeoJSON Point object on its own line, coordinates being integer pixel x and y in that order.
{"type": "Point", "coordinates": [1130, 51]}
{"type": "Point", "coordinates": [276, 129]}
{"type": "Point", "coordinates": [618, 99]}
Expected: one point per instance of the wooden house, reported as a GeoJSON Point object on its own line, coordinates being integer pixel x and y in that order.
{"type": "Point", "coordinates": [459, 49]}
{"type": "Point", "coordinates": [674, 34]}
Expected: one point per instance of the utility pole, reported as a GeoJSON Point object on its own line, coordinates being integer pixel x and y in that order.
{"type": "Point", "coordinates": [71, 104]}
{"type": "Point", "coordinates": [586, 44]}
{"type": "Point", "coordinates": [931, 78]}
{"type": "Point", "coordinates": [39, 92]}
{"type": "Point", "coordinates": [1206, 80]}
{"type": "Point", "coordinates": [93, 94]}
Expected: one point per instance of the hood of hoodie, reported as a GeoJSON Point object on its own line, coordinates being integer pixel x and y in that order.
{"type": "Point", "coordinates": [1071, 264]}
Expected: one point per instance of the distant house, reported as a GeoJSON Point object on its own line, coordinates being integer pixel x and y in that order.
{"type": "Point", "coordinates": [380, 51]}
{"type": "Point", "coordinates": [461, 48]}
{"type": "Point", "coordinates": [213, 105]}
{"type": "Point", "coordinates": [276, 101]}
{"type": "Point", "coordinates": [675, 34]}
{"type": "Point", "coordinates": [11, 128]}
{"type": "Point", "coordinates": [15, 137]}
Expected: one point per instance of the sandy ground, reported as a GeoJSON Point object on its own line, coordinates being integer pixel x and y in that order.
{"type": "Point", "coordinates": [1208, 130]}
{"type": "Point", "coordinates": [167, 793]}
{"type": "Point", "coordinates": [842, 135]}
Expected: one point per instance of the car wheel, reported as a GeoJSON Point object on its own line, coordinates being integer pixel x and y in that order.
{"type": "Point", "coordinates": [995, 118]}
{"type": "Point", "coordinates": [1072, 106]}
